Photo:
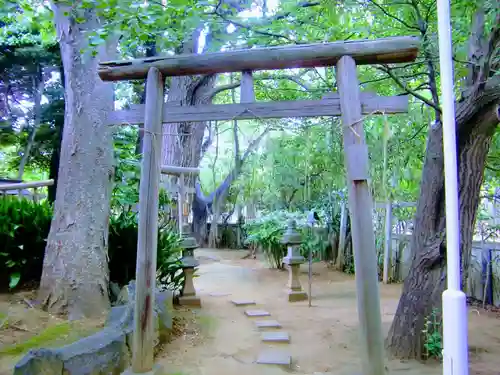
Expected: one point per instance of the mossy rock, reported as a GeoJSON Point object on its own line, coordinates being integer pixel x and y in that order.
{"type": "Point", "coordinates": [123, 315]}
{"type": "Point", "coordinates": [103, 353]}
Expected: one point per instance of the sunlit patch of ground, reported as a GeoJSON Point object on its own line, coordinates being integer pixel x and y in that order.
{"type": "Point", "coordinates": [324, 337]}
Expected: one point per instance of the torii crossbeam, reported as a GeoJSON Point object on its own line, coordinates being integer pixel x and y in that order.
{"type": "Point", "coordinates": [349, 103]}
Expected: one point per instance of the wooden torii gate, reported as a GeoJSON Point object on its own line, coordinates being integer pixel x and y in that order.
{"type": "Point", "coordinates": [349, 103]}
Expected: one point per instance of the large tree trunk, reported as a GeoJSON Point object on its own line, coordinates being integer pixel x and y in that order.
{"type": "Point", "coordinates": [427, 276]}
{"type": "Point", "coordinates": [75, 270]}
{"type": "Point", "coordinates": [182, 143]}
{"type": "Point", "coordinates": [477, 116]}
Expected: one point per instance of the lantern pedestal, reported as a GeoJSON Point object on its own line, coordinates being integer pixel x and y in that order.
{"type": "Point", "coordinates": [189, 263]}
{"type": "Point", "coordinates": [189, 297]}
{"type": "Point", "coordinates": [157, 370]}
{"type": "Point", "coordinates": [295, 291]}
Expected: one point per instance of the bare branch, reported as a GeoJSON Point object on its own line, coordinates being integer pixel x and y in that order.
{"type": "Point", "coordinates": [401, 84]}
{"type": "Point", "coordinates": [219, 89]}
{"type": "Point", "coordinates": [251, 28]}
{"type": "Point", "coordinates": [254, 144]}
{"type": "Point", "coordinates": [476, 42]}
{"type": "Point", "coordinates": [383, 10]}
{"type": "Point", "coordinates": [492, 48]}
{"type": "Point", "coordinates": [231, 86]}
{"type": "Point", "coordinates": [208, 142]}
{"type": "Point", "coordinates": [303, 4]}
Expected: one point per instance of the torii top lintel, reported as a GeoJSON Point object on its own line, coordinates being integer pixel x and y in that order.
{"type": "Point", "coordinates": [376, 51]}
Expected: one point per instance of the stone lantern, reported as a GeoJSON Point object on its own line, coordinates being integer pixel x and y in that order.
{"type": "Point", "coordinates": [292, 239]}
{"type": "Point", "coordinates": [188, 245]}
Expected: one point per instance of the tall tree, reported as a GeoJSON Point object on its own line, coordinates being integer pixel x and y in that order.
{"type": "Point", "coordinates": [477, 117]}
{"type": "Point", "coordinates": [75, 271]}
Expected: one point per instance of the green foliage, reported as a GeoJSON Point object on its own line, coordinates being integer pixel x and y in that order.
{"type": "Point", "coordinates": [24, 226]}
{"type": "Point", "coordinates": [433, 341]}
{"type": "Point", "coordinates": [267, 232]}
{"type": "Point", "coordinates": [123, 249]}
{"type": "Point", "coordinates": [124, 221]}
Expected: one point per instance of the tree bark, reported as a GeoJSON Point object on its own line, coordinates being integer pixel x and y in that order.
{"type": "Point", "coordinates": [182, 143]}
{"type": "Point", "coordinates": [427, 276]}
{"type": "Point", "coordinates": [75, 270]}
{"type": "Point", "coordinates": [477, 116]}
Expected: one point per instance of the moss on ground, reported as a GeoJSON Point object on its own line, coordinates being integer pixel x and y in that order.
{"type": "Point", "coordinates": [57, 335]}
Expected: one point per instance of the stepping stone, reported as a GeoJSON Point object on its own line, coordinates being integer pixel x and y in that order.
{"type": "Point", "coordinates": [267, 324]}
{"type": "Point", "coordinates": [242, 302]}
{"type": "Point", "coordinates": [219, 294]}
{"type": "Point", "coordinates": [275, 337]}
{"type": "Point", "coordinates": [252, 313]}
{"type": "Point", "coordinates": [274, 357]}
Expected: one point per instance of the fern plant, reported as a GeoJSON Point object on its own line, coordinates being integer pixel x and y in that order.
{"type": "Point", "coordinates": [433, 341]}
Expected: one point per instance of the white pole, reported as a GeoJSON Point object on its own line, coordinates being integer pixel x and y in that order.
{"type": "Point", "coordinates": [455, 350]}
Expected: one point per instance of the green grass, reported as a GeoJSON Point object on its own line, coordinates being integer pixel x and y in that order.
{"type": "Point", "coordinates": [57, 335]}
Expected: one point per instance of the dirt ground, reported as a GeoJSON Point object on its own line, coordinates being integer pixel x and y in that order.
{"type": "Point", "coordinates": [23, 326]}
{"type": "Point", "coordinates": [324, 337]}
{"type": "Point", "coordinates": [220, 340]}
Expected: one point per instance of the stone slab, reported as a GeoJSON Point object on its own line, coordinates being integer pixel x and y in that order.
{"type": "Point", "coordinates": [252, 313]}
{"type": "Point", "coordinates": [242, 302]}
{"type": "Point", "coordinates": [274, 357]}
{"type": "Point", "coordinates": [267, 324]}
{"type": "Point", "coordinates": [219, 294]}
{"type": "Point", "coordinates": [279, 336]}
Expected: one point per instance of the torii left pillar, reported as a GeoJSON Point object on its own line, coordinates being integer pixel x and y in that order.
{"type": "Point", "coordinates": [147, 242]}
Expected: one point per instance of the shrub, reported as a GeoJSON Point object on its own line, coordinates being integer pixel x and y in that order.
{"type": "Point", "coordinates": [123, 245]}
{"type": "Point", "coordinates": [267, 232]}
{"type": "Point", "coordinates": [433, 342]}
{"type": "Point", "coordinates": [25, 225]}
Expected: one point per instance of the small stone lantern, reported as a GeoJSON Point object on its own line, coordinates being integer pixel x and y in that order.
{"type": "Point", "coordinates": [292, 240]}
{"type": "Point", "coordinates": [188, 244]}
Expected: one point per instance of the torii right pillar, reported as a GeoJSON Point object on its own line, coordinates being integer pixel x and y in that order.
{"type": "Point", "coordinates": [361, 212]}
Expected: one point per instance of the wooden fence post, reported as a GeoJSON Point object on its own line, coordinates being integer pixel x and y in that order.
{"type": "Point", "coordinates": [180, 202]}
{"type": "Point", "coordinates": [387, 242]}
{"type": "Point", "coordinates": [361, 213]}
{"type": "Point", "coordinates": [143, 337]}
